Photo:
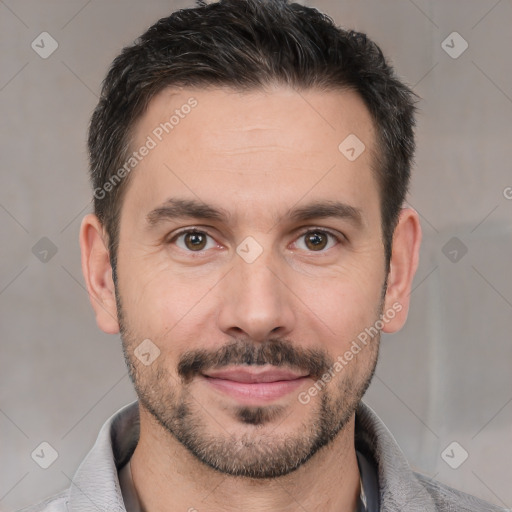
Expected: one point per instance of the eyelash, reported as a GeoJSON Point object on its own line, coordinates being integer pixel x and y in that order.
{"type": "Point", "coordinates": [337, 238]}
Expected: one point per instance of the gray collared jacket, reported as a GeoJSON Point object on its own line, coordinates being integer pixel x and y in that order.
{"type": "Point", "coordinates": [95, 486]}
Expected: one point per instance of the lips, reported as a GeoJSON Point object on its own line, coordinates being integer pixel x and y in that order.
{"type": "Point", "coordinates": [254, 375]}
{"type": "Point", "coordinates": [254, 385]}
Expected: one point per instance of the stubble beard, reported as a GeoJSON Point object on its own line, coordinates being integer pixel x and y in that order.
{"type": "Point", "coordinates": [255, 450]}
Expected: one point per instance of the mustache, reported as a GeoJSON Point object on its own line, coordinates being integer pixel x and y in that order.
{"type": "Point", "coordinates": [275, 352]}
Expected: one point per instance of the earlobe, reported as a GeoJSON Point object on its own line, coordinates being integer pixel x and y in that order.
{"type": "Point", "coordinates": [403, 266]}
{"type": "Point", "coordinates": [97, 272]}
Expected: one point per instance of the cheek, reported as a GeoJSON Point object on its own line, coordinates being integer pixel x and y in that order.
{"type": "Point", "coordinates": [163, 305]}
{"type": "Point", "coordinates": [343, 307]}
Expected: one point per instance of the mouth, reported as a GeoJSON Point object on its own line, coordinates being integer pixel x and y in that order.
{"type": "Point", "coordinates": [254, 386]}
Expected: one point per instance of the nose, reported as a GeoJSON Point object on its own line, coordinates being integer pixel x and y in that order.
{"type": "Point", "coordinates": [256, 299]}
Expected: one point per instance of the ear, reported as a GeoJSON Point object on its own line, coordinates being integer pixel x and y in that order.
{"type": "Point", "coordinates": [98, 273]}
{"type": "Point", "coordinates": [403, 265]}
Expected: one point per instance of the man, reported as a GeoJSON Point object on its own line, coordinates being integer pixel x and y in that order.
{"type": "Point", "coordinates": [250, 162]}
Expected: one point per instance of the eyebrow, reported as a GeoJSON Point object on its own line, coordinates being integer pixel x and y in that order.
{"type": "Point", "coordinates": [178, 208]}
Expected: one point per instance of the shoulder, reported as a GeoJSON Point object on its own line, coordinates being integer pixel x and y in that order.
{"type": "Point", "coordinates": [55, 503]}
{"type": "Point", "coordinates": [447, 498]}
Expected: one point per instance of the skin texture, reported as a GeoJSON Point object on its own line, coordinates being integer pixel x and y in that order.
{"type": "Point", "coordinates": [299, 304]}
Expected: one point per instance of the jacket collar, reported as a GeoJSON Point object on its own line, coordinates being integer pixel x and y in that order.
{"type": "Point", "coordinates": [399, 489]}
{"type": "Point", "coordinates": [95, 486]}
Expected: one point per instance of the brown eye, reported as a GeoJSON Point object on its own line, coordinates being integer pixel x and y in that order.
{"type": "Point", "coordinates": [195, 241]}
{"type": "Point", "coordinates": [316, 240]}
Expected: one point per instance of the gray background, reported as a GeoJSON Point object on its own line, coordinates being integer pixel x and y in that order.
{"type": "Point", "coordinates": [445, 377]}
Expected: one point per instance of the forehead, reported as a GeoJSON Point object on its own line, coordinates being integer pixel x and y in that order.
{"type": "Point", "coordinates": [258, 147]}
{"type": "Point", "coordinates": [281, 114]}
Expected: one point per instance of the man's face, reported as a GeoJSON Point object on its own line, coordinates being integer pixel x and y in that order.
{"type": "Point", "coordinates": [252, 309]}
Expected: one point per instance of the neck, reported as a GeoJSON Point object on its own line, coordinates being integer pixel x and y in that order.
{"type": "Point", "coordinates": [165, 472]}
